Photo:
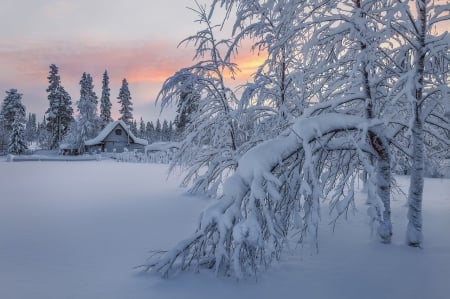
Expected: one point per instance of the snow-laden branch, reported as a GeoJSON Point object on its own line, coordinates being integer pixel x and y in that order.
{"type": "Point", "coordinates": [247, 227]}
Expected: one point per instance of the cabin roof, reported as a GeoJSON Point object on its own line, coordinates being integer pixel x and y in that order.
{"type": "Point", "coordinates": [109, 128]}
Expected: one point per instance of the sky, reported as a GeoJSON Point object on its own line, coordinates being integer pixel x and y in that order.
{"type": "Point", "coordinates": [133, 39]}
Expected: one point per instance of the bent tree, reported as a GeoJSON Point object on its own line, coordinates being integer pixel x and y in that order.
{"type": "Point", "coordinates": [359, 67]}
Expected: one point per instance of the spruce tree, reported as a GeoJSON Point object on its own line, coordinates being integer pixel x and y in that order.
{"type": "Point", "coordinates": [186, 108]}
{"type": "Point", "coordinates": [87, 108]}
{"type": "Point", "coordinates": [150, 131]}
{"type": "Point", "coordinates": [17, 144]}
{"type": "Point", "coordinates": [165, 131]}
{"type": "Point", "coordinates": [126, 109]}
{"type": "Point", "coordinates": [60, 111]}
{"type": "Point", "coordinates": [171, 133]}
{"type": "Point", "coordinates": [158, 130]}
{"type": "Point", "coordinates": [142, 129]}
{"type": "Point", "coordinates": [11, 107]}
{"type": "Point", "coordinates": [3, 136]}
{"type": "Point", "coordinates": [134, 128]}
{"type": "Point", "coordinates": [105, 102]}
{"type": "Point", "coordinates": [31, 128]}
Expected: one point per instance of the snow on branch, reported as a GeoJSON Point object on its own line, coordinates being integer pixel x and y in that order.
{"type": "Point", "coordinates": [247, 227]}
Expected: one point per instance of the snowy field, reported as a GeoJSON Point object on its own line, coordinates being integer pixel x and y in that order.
{"type": "Point", "coordinates": [77, 229]}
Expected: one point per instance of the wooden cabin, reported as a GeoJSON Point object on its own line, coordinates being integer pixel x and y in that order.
{"type": "Point", "coordinates": [115, 137]}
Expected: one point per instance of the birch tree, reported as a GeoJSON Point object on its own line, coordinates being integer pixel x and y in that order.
{"type": "Point", "coordinates": [422, 86]}
{"type": "Point", "coordinates": [212, 134]}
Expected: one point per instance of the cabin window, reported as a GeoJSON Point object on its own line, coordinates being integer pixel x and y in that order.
{"type": "Point", "coordinates": [118, 132]}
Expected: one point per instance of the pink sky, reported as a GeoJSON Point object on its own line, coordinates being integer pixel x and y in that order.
{"type": "Point", "coordinates": [133, 39]}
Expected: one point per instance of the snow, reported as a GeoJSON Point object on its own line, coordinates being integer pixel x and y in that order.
{"type": "Point", "coordinates": [76, 230]}
{"type": "Point", "coordinates": [162, 146]}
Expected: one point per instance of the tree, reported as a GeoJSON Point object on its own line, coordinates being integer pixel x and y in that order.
{"type": "Point", "coordinates": [43, 135]}
{"type": "Point", "coordinates": [60, 111]}
{"type": "Point", "coordinates": [423, 89]}
{"type": "Point", "coordinates": [12, 108]}
{"type": "Point", "coordinates": [3, 136]}
{"type": "Point", "coordinates": [213, 139]}
{"type": "Point", "coordinates": [31, 128]}
{"type": "Point", "coordinates": [150, 131]}
{"type": "Point", "coordinates": [171, 131]}
{"type": "Point", "coordinates": [142, 129]}
{"type": "Point", "coordinates": [375, 81]}
{"type": "Point", "coordinates": [87, 108]}
{"type": "Point", "coordinates": [134, 128]}
{"type": "Point", "coordinates": [17, 144]}
{"type": "Point", "coordinates": [124, 98]}
{"type": "Point", "coordinates": [105, 103]}
{"type": "Point", "coordinates": [187, 107]}
{"type": "Point", "coordinates": [165, 134]}
{"type": "Point", "coordinates": [158, 131]}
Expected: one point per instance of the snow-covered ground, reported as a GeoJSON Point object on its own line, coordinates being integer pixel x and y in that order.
{"type": "Point", "coordinates": [77, 229]}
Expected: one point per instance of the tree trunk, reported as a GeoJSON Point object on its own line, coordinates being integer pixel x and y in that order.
{"type": "Point", "coordinates": [383, 189]}
{"type": "Point", "coordinates": [414, 230]}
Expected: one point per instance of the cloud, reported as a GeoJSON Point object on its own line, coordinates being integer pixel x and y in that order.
{"type": "Point", "coordinates": [146, 65]}
{"type": "Point", "coordinates": [25, 65]}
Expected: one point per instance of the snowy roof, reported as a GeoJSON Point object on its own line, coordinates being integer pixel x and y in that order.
{"type": "Point", "coordinates": [161, 146]}
{"type": "Point", "coordinates": [111, 126]}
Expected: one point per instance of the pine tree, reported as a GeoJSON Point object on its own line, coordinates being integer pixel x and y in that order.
{"type": "Point", "coordinates": [186, 108]}
{"type": "Point", "coordinates": [158, 130]}
{"type": "Point", "coordinates": [43, 135]}
{"type": "Point", "coordinates": [11, 108]}
{"type": "Point", "coordinates": [165, 131]}
{"type": "Point", "coordinates": [60, 111]}
{"type": "Point", "coordinates": [134, 128]}
{"type": "Point", "coordinates": [31, 128]}
{"type": "Point", "coordinates": [150, 132]}
{"type": "Point", "coordinates": [171, 132]}
{"type": "Point", "coordinates": [3, 136]}
{"type": "Point", "coordinates": [87, 107]}
{"type": "Point", "coordinates": [126, 109]}
{"type": "Point", "coordinates": [105, 103]}
{"type": "Point", "coordinates": [17, 144]}
{"type": "Point", "coordinates": [142, 128]}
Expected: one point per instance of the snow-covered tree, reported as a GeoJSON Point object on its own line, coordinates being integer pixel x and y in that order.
{"type": "Point", "coordinates": [165, 135]}
{"type": "Point", "coordinates": [213, 134]}
{"type": "Point", "coordinates": [187, 107]}
{"type": "Point", "coordinates": [158, 130]}
{"type": "Point", "coordinates": [171, 131]}
{"type": "Point", "coordinates": [31, 128]}
{"type": "Point", "coordinates": [105, 102]}
{"type": "Point", "coordinates": [43, 135]}
{"type": "Point", "coordinates": [87, 108]}
{"type": "Point", "coordinates": [422, 87]}
{"type": "Point", "coordinates": [4, 134]}
{"type": "Point", "coordinates": [141, 129]}
{"type": "Point", "coordinates": [17, 143]}
{"type": "Point", "coordinates": [150, 132]}
{"type": "Point", "coordinates": [12, 108]}
{"type": "Point", "coordinates": [60, 111]}
{"type": "Point", "coordinates": [126, 110]}
{"type": "Point", "coordinates": [373, 78]}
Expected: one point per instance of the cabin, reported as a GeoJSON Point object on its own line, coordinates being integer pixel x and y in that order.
{"type": "Point", "coordinates": [116, 137]}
